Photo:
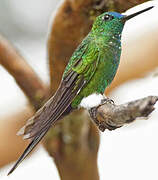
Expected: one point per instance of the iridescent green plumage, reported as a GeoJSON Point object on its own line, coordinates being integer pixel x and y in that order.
{"type": "Point", "coordinates": [97, 57]}
{"type": "Point", "coordinates": [90, 70]}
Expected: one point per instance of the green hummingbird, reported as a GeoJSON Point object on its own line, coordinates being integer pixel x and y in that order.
{"type": "Point", "coordinates": [90, 70]}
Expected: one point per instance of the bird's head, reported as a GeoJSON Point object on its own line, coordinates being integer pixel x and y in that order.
{"type": "Point", "coordinates": [113, 22]}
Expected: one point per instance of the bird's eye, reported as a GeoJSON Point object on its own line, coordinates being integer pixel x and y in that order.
{"type": "Point", "coordinates": [107, 17]}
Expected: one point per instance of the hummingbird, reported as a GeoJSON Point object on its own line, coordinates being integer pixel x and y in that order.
{"type": "Point", "coordinates": [89, 71]}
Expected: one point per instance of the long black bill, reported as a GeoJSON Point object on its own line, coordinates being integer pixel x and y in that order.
{"type": "Point", "coordinates": [126, 18]}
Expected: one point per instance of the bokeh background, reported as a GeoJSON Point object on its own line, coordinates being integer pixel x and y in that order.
{"type": "Point", "coordinates": [127, 153]}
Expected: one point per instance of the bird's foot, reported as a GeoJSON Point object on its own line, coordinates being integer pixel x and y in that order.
{"type": "Point", "coordinates": [100, 124]}
{"type": "Point", "coordinates": [106, 100]}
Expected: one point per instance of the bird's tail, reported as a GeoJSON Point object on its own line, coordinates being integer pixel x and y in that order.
{"type": "Point", "coordinates": [30, 147]}
{"type": "Point", "coordinates": [58, 106]}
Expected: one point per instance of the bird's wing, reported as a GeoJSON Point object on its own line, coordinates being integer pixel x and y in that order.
{"type": "Point", "coordinates": [75, 77]}
{"type": "Point", "coordinates": [56, 105]}
{"type": "Point", "coordinates": [78, 72]}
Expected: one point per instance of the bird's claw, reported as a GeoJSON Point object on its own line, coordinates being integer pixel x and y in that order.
{"type": "Point", "coordinates": [106, 100]}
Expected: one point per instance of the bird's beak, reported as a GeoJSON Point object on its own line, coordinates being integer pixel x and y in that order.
{"type": "Point", "coordinates": [127, 17]}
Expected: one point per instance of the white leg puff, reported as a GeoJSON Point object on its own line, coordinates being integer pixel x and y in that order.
{"type": "Point", "coordinates": [91, 101]}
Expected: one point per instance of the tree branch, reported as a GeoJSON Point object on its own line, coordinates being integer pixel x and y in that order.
{"type": "Point", "coordinates": [23, 74]}
{"type": "Point", "coordinates": [111, 116]}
